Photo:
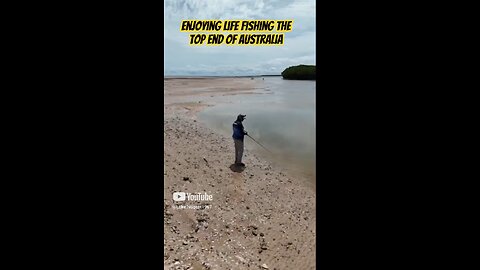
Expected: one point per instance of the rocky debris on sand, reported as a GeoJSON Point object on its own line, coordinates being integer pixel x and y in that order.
{"type": "Point", "coordinates": [263, 245]}
{"type": "Point", "coordinates": [241, 259]}
{"type": "Point", "coordinates": [206, 161]}
{"type": "Point", "coordinates": [253, 229]}
{"type": "Point", "coordinates": [201, 224]}
{"type": "Point", "coordinates": [174, 229]}
{"type": "Point", "coordinates": [207, 265]}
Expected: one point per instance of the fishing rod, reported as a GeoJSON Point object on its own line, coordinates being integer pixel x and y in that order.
{"type": "Point", "coordinates": [259, 144]}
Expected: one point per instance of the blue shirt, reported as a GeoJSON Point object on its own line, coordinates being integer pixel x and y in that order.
{"type": "Point", "coordinates": [238, 131]}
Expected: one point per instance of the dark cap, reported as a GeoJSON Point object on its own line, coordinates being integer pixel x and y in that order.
{"type": "Point", "coordinates": [241, 117]}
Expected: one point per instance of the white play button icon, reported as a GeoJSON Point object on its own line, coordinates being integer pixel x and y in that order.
{"type": "Point", "coordinates": [179, 196]}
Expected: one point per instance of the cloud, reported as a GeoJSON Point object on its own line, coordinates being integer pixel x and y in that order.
{"type": "Point", "coordinates": [182, 59]}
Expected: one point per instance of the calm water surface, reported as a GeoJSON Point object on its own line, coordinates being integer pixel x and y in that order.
{"type": "Point", "coordinates": [281, 117]}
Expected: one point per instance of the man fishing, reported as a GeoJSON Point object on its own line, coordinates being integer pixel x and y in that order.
{"type": "Point", "coordinates": [238, 133]}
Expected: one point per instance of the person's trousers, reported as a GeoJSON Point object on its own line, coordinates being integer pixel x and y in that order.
{"type": "Point", "coordinates": [238, 150]}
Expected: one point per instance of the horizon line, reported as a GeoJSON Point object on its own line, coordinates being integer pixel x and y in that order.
{"type": "Point", "coordinates": [196, 75]}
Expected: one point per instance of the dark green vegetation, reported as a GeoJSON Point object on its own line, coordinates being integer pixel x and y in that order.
{"type": "Point", "coordinates": [300, 72]}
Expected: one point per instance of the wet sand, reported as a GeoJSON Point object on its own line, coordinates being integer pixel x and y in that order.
{"type": "Point", "coordinates": [261, 216]}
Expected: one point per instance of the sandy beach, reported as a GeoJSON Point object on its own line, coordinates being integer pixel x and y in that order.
{"type": "Point", "coordinates": [261, 217]}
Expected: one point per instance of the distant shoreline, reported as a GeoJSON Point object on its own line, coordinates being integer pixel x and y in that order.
{"type": "Point", "coordinates": [214, 77]}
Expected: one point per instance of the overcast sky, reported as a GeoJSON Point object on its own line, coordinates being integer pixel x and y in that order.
{"type": "Point", "coordinates": [183, 59]}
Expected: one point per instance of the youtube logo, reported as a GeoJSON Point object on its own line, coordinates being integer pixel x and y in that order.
{"type": "Point", "coordinates": [179, 196]}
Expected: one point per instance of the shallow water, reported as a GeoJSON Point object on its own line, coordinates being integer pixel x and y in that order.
{"type": "Point", "coordinates": [281, 117]}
